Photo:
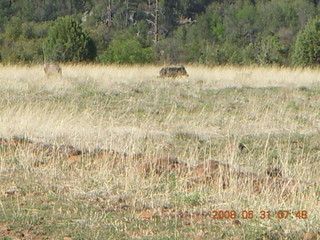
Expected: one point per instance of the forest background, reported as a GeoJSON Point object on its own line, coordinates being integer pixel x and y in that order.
{"type": "Point", "coordinates": [211, 32]}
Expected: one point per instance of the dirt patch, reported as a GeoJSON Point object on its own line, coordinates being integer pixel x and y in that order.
{"type": "Point", "coordinates": [211, 172]}
{"type": "Point", "coordinates": [26, 234]}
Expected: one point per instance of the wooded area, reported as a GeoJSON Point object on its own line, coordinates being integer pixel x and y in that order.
{"type": "Point", "coordinates": [211, 32]}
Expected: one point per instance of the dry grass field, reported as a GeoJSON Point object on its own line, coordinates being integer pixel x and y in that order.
{"type": "Point", "coordinates": [110, 152]}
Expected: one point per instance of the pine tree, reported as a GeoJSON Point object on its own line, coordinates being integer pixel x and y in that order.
{"type": "Point", "coordinates": [67, 42]}
{"type": "Point", "coordinates": [307, 46]}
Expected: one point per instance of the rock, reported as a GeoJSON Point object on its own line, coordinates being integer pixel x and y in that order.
{"type": "Point", "coordinates": [236, 222]}
{"type": "Point", "coordinates": [243, 148]}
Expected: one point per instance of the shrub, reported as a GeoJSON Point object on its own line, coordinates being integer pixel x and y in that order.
{"type": "Point", "coordinates": [307, 46]}
{"type": "Point", "coordinates": [67, 42]}
{"type": "Point", "coordinates": [19, 43]}
{"type": "Point", "coordinates": [270, 50]}
{"type": "Point", "coordinates": [127, 51]}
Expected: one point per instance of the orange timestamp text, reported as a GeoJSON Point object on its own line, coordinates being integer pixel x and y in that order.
{"type": "Point", "coordinates": [249, 214]}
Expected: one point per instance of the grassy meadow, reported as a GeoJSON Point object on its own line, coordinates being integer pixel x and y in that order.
{"type": "Point", "coordinates": [47, 194]}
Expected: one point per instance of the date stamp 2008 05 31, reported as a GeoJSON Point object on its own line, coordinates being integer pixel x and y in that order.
{"type": "Point", "coordinates": [249, 214]}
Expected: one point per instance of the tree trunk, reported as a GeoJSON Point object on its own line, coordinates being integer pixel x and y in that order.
{"type": "Point", "coordinates": [109, 20]}
{"type": "Point", "coordinates": [127, 13]}
{"type": "Point", "coordinates": [156, 23]}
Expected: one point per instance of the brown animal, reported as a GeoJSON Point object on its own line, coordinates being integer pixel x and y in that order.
{"type": "Point", "coordinates": [173, 72]}
{"type": "Point", "coordinates": [52, 70]}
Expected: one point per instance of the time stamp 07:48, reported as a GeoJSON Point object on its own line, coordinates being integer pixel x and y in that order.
{"type": "Point", "coordinates": [248, 214]}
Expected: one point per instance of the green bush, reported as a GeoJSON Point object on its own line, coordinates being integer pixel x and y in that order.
{"type": "Point", "coordinates": [307, 46]}
{"type": "Point", "coordinates": [270, 50]}
{"type": "Point", "coordinates": [67, 42]}
{"type": "Point", "coordinates": [20, 43]}
{"type": "Point", "coordinates": [127, 51]}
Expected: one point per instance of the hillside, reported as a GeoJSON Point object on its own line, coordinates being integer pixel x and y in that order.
{"type": "Point", "coordinates": [211, 32]}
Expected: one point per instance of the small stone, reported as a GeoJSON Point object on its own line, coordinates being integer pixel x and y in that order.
{"type": "Point", "coordinates": [10, 192]}
{"type": "Point", "coordinates": [236, 222]}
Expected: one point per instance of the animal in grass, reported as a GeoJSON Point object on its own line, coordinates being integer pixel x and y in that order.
{"type": "Point", "coordinates": [173, 72]}
{"type": "Point", "coordinates": [52, 70]}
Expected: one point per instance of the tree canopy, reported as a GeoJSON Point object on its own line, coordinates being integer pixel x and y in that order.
{"type": "Point", "coordinates": [307, 47]}
{"type": "Point", "coordinates": [212, 32]}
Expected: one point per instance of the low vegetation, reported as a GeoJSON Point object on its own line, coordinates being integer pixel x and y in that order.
{"type": "Point", "coordinates": [109, 152]}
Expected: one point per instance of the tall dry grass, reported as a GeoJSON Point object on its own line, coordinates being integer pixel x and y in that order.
{"type": "Point", "coordinates": [274, 111]}
{"type": "Point", "coordinates": [256, 115]}
{"type": "Point", "coordinates": [216, 77]}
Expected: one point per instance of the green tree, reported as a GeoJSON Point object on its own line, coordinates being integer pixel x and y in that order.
{"type": "Point", "coordinates": [307, 46]}
{"type": "Point", "coordinates": [67, 42]}
{"type": "Point", "coordinates": [22, 42]}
